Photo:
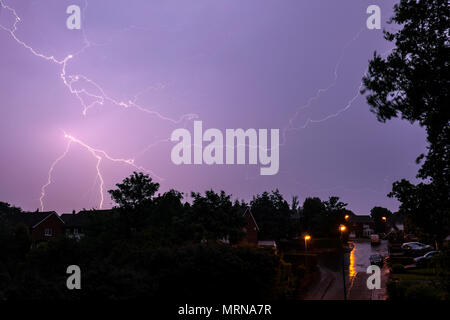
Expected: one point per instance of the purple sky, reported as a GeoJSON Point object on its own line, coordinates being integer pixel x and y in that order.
{"type": "Point", "coordinates": [235, 64]}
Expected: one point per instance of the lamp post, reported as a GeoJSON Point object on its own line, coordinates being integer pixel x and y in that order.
{"type": "Point", "coordinates": [307, 238]}
{"type": "Point", "coordinates": [342, 229]}
{"type": "Point", "coordinates": [384, 219]}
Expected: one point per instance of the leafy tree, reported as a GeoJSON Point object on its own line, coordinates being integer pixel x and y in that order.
{"type": "Point", "coordinates": [333, 204]}
{"type": "Point", "coordinates": [214, 216]}
{"type": "Point", "coordinates": [135, 191]}
{"type": "Point", "coordinates": [412, 83]}
{"type": "Point", "coordinates": [312, 207]}
{"type": "Point", "coordinates": [295, 203]}
{"type": "Point", "coordinates": [273, 216]}
{"type": "Point", "coordinates": [323, 217]}
{"type": "Point", "coordinates": [425, 214]}
{"type": "Point", "coordinates": [22, 240]}
{"type": "Point", "coordinates": [377, 214]}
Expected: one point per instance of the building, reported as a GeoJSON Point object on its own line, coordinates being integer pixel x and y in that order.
{"type": "Point", "coordinates": [251, 228]}
{"type": "Point", "coordinates": [74, 224]}
{"type": "Point", "coordinates": [43, 226]}
{"type": "Point", "coordinates": [361, 226]}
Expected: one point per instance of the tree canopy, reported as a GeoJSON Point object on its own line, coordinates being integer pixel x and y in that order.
{"type": "Point", "coordinates": [412, 83]}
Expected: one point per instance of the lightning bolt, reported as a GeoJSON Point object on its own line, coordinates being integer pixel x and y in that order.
{"type": "Point", "coordinates": [332, 115]}
{"type": "Point", "coordinates": [99, 155]}
{"type": "Point", "coordinates": [99, 98]}
{"type": "Point", "coordinates": [49, 175]}
{"type": "Point", "coordinates": [320, 91]}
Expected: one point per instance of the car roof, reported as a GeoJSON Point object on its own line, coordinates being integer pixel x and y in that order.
{"type": "Point", "coordinates": [419, 244]}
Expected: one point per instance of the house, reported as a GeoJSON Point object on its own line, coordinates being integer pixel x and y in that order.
{"type": "Point", "coordinates": [251, 228]}
{"type": "Point", "coordinates": [267, 244]}
{"type": "Point", "coordinates": [74, 224]}
{"type": "Point", "coordinates": [42, 225]}
{"type": "Point", "coordinates": [447, 241]}
{"type": "Point", "coordinates": [361, 226]}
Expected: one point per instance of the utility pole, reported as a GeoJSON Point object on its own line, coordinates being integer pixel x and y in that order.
{"type": "Point", "coordinates": [342, 229]}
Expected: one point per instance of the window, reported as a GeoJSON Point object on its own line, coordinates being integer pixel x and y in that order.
{"type": "Point", "coordinates": [48, 232]}
{"type": "Point", "coordinates": [75, 231]}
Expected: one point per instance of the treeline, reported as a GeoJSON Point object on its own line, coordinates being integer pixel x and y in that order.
{"type": "Point", "coordinates": [161, 246]}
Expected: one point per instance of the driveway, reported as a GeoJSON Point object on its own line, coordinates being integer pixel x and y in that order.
{"type": "Point", "coordinates": [358, 261]}
{"type": "Point", "coordinates": [331, 283]}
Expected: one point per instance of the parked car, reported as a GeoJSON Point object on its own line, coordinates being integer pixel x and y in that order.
{"type": "Point", "coordinates": [376, 259]}
{"type": "Point", "coordinates": [422, 260]}
{"type": "Point", "coordinates": [415, 249]}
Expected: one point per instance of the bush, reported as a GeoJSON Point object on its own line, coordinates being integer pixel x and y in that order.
{"type": "Point", "coordinates": [395, 236]}
{"type": "Point", "coordinates": [395, 290]}
{"type": "Point", "coordinates": [397, 268]}
{"type": "Point", "coordinates": [409, 290]}
{"type": "Point", "coordinates": [422, 292]}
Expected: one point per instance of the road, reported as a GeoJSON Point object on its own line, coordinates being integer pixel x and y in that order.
{"type": "Point", "coordinates": [330, 286]}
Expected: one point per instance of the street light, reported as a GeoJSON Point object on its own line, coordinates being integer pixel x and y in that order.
{"type": "Point", "coordinates": [307, 238]}
{"type": "Point", "coordinates": [342, 229]}
{"type": "Point", "coordinates": [384, 219]}
{"type": "Point", "coordinates": [347, 217]}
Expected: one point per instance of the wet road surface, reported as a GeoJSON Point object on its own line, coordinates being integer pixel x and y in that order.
{"type": "Point", "coordinates": [331, 284]}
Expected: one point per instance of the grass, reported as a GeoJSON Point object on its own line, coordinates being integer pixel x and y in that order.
{"type": "Point", "coordinates": [425, 274]}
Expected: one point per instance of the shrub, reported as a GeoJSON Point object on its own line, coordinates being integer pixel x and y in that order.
{"type": "Point", "coordinates": [409, 290]}
{"type": "Point", "coordinates": [398, 268]}
{"type": "Point", "coordinates": [422, 292]}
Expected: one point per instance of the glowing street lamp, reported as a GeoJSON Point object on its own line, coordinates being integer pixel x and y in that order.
{"type": "Point", "coordinates": [384, 219]}
{"type": "Point", "coordinates": [342, 229]}
{"type": "Point", "coordinates": [307, 238]}
{"type": "Point", "coordinates": [347, 217]}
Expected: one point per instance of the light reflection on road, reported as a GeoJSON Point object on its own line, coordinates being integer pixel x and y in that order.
{"type": "Point", "coordinates": [351, 267]}
{"type": "Point", "coordinates": [358, 261]}
{"type": "Point", "coordinates": [359, 256]}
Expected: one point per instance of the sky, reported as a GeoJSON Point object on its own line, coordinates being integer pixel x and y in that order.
{"type": "Point", "coordinates": [82, 109]}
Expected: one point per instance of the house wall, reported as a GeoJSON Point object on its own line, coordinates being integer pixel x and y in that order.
{"type": "Point", "coordinates": [251, 230]}
{"type": "Point", "coordinates": [361, 229]}
{"type": "Point", "coordinates": [53, 222]}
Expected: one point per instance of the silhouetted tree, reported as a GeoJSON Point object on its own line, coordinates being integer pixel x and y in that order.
{"type": "Point", "coordinates": [322, 218]}
{"type": "Point", "coordinates": [273, 216]}
{"type": "Point", "coordinates": [377, 214]}
{"type": "Point", "coordinates": [135, 191]}
{"type": "Point", "coordinates": [214, 216]}
{"type": "Point", "coordinates": [312, 207]}
{"type": "Point", "coordinates": [412, 83]}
